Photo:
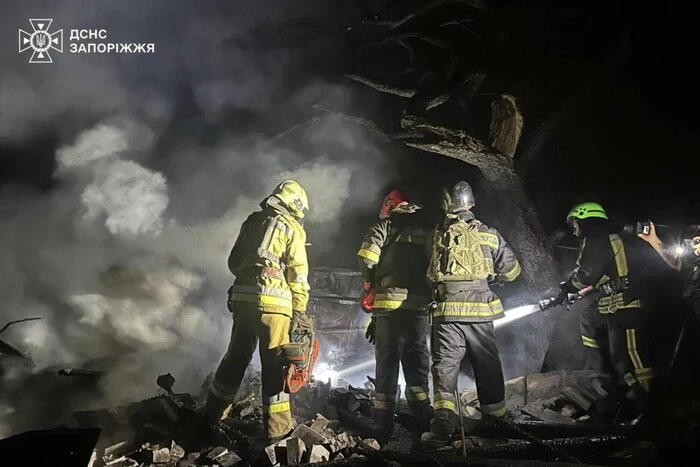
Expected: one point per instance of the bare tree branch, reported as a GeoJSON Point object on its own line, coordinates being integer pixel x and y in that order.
{"type": "Point", "coordinates": [381, 87]}
{"type": "Point", "coordinates": [408, 17]}
{"type": "Point", "coordinates": [432, 40]}
{"type": "Point", "coordinates": [372, 127]}
{"type": "Point", "coordinates": [15, 322]}
{"type": "Point", "coordinates": [461, 24]}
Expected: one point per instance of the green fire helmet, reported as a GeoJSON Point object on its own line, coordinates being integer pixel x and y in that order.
{"type": "Point", "coordinates": [587, 211]}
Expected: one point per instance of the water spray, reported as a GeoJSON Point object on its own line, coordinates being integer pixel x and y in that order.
{"type": "Point", "coordinates": [324, 372]}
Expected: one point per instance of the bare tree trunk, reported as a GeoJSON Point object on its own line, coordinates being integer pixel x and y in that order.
{"type": "Point", "coordinates": [519, 222]}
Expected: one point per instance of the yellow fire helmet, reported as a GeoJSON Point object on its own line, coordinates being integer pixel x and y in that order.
{"type": "Point", "coordinates": [293, 197]}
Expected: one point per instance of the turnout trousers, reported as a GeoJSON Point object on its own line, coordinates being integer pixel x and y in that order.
{"type": "Point", "coordinates": [595, 338]}
{"type": "Point", "coordinates": [401, 337]}
{"type": "Point", "coordinates": [631, 351]}
{"type": "Point", "coordinates": [451, 342]}
{"type": "Point", "coordinates": [271, 331]}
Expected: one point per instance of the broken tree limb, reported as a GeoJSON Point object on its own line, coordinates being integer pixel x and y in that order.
{"type": "Point", "coordinates": [368, 124]}
{"type": "Point", "coordinates": [393, 24]}
{"type": "Point", "coordinates": [519, 221]}
{"type": "Point", "coordinates": [17, 321]}
{"type": "Point", "coordinates": [432, 40]}
{"type": "Point", "coordinates": [550, 446]}
{"type": "Point", "coordinates": [381, 87]}
{"type": "Point", "coordinates": [506, 124]}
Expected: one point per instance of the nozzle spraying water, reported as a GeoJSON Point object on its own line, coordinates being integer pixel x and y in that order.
{"type": "Point", "coordinates": [516, 314]}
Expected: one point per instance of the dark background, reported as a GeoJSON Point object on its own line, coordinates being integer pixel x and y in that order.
{"type": "Point", "coordinates": [612, 81]}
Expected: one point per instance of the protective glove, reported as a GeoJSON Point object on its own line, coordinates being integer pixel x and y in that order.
{"type": "Point", "coordinates": [366, 286]}
{"type": "Point", "coordinates": [496, 282]}
{"type": "Point", "coordinates": [371, 329]}
{"type": "Point", "coordinates": [301, 323]}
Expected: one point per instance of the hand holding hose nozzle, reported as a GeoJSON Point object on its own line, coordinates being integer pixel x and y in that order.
{"type": "Point", "coordinates": [564, 298]}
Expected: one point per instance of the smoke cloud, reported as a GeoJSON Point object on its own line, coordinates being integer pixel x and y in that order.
{"type": "Point", "coordinates": [159, 160]}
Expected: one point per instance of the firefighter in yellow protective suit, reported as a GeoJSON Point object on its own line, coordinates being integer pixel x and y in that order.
{"type": "Point", "coordinates": [465, 255]}
{"type": "Point", "coordinates": [268, 297]}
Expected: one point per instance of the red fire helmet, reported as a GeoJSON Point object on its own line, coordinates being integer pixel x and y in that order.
{"type": "Point", "coordinates": [393, 199]}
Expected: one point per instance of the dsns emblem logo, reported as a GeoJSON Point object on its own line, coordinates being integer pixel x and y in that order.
{"type": "Point", "coordinates": [41, 41]}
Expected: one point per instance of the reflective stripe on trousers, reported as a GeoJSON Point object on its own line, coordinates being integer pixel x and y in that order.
{"type": "Point", "coordinates": [416, 394]}
{"type": "Point", "coordinates": [589, 342]}
{"type": "Point", "coordinates": [384, 401]}
{"type": "Point", "coordinates": [642, 374]}
{"type": "Point", "coordinates": [276, 404]}
{"type": "Point", "coordinates": [444, 401]}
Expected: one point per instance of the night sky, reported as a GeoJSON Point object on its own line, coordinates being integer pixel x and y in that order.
{"type": "Point", "coordinates": [616, 82]}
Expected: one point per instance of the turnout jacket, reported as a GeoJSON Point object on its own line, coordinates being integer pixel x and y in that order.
{"type": "Point", "coordinates": [622, 266]}
{"type": "Point", "coordinates": [473, 300]}
{"type": "Point", "coordinates": [269, 261]}
{"type": "Point", "coordinates": [393, 258]}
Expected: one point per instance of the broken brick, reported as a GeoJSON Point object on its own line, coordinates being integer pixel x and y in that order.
{"type": "Point", "coordinates": [320, 423]}
{"type": "Point", "coordinates": [176, 452]}
{"type": "Point", "coordinates": [577, 397]}
{"type": "Point", "coordinates": [270, 454]}
{"type": "Point", "coordinates": [280, 451]}
{"type": "Point", "coordinates": [122, 462]}
{"type": "Point", "coordinates": [371, 443]}
{"type": "Point", "coordinates": [161, 456]}
{"type": "Point", "coordinates": [555, 417]}
{"type": "Point", "coordinates": [339, 442]}
{"type": "Point", "coordinates": [319, 453]}
{"type": "Point", "coordinates": [228, 459]}
{"type": "Point", "coordinates": [295, 451]}
{"type": "Point", "coordinates": [308, 436]}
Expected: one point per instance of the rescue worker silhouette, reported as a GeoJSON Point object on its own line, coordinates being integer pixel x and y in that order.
{"type": "Point", "coordinates": [268, 301]}
{"type": "Point", "coordinates": [393, 261]}
{"type": "Point", "coordinates": [623, 267]}
{"type": "Point", "coordinates": [465, 255]}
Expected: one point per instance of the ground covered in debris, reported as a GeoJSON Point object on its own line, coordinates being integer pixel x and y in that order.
{"type": "Point", "coordinates": [557, 418]}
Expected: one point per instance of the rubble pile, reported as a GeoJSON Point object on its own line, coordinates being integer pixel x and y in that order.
{"type": "Point", "coordinates": [553, 418]}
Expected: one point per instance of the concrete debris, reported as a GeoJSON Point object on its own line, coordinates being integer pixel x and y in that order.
{"type": "Point", "coordinates": [176, 452]}
{"type": "Point", "coordinates": [319, 424]}
{"type": "Point", "coordinates": [339, 442]}
{"type": "Point", "coordinates": [161, 456]}
{"type": "Point", "coordinates": [309, 436]}
{"type": "Point", "coordinates": [371, 443]}
{"type": "Point", "coordinates": [160, 432]}
{"type": "Point", "coordinates": [318, 453]}
{"type": "Point", "coordinates": [296, 448]}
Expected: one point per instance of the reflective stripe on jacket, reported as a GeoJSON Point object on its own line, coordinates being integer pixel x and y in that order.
{"type": "Point", "coordinates": [617, 264]}
{"type": "Point", "coordinates": [393, 258]}
{"type": "Point", "coordinates": [269, 261]}
{"type": "Point", "coordinates": [473, 301]}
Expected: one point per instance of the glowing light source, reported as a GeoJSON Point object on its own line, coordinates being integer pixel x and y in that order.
{"type": "Point", "coordinates": [515, 314]}
{"type": "Point", "coordinates": [324, 372]}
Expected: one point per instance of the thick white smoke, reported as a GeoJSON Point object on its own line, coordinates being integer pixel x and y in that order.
{"type": "Point", "coordinates": [132, 199]}
{"type": "Point", "coordinates": [124, 259]}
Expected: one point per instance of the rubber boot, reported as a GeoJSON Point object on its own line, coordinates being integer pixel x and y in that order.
{"type": "Point", "coordinates": [215, 408]}
{"type": "Point", "coordinates": [639, 397]}
{"type": "Point", "coordinates": [382, 424]}
{"type": "Point", "coordinates": [442, 427]}
{"type": "Point", "coordinates": [423, 412]}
